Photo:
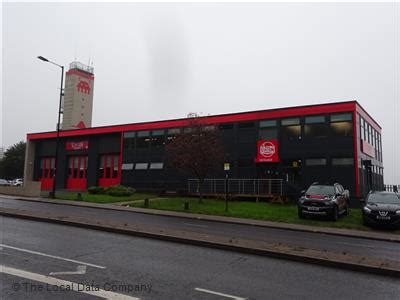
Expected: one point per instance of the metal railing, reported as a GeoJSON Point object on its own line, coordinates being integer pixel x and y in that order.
{"type": "Point", "coordinates": [247, 187]}
{"type": "Point", "coordinates": [392, 188]}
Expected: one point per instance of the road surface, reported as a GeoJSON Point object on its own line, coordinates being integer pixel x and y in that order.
{"type": "Point", "coordinates": [354, 246]}
{"type": "Point", "coordinates": [36, 255]}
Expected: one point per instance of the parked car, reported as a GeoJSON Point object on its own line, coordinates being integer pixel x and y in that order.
{"type": "Point", "coordinates": [18, 182]}
{"type": "Point", "coordinates": [382, 208]}
{"type": "Point", "coordinates": [329, 200]}
{"type": "Point", "coordinates": [4, 182]}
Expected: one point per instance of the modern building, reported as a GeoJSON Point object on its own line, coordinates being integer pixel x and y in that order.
{"type": "Point", "coordinates": [78, 97]}
{"type": "Point", "coordinates": [337, 142]}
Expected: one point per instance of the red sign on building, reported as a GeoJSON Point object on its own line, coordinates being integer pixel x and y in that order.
{"type": "Point", "coordinates": [367, 148]}
{"type": "Point", "coordinates": [81, 145]}
{"type": "Point", "coordinates": [267, 151]}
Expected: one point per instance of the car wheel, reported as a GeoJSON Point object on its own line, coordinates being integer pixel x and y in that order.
{"type": "Point", "coordinates": [335, 214]}
{"type": "Point", "coordinates": [300, 213]}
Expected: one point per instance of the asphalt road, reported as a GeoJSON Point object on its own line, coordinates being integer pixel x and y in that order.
{"type": "Point", "coordinates": [34, 253]}
{"type": "Point", "coordinates": [355, 246]}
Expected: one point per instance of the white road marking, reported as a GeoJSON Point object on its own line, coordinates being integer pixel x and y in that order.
{"type": "Point", "coordinates": [52, 256]}
{"type": "Point", "coordinates": [79, 270]}
{"type": "Point", "coordinates": [64, 283]}
{"type": "Point", "coordinates": [196, 225]}
{"type": "Point", "coordinates": [219, 294]}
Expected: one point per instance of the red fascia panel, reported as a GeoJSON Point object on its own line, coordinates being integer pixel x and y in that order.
{"type": "Point", "coordinates": [355, 143]}
{"type": "Point", "coordinates": [80, 73]}
{"type": "Point", "coordinates": [368, 118]}
{"type": "Point", "coordinates": [228, 118]}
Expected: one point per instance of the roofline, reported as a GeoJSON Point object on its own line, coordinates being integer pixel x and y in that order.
{"type": "Point", "coordinates": [120, 127]}
{"type": "Point", "coordinates": [369, 116]}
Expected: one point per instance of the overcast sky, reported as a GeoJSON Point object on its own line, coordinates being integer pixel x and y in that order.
{"type": "Point", "coordinates": [161, 61]}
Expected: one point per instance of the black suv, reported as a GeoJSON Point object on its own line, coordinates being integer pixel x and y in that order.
{"type": "Point", "coordinates": [382, 208]}
{"type": "Point", "coordinates": [324, 200]}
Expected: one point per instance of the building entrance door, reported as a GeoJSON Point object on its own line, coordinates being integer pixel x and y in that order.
{"type": "Point", "coordinates": [47, 170]}
{"type": "Point", "coordinates": [109, 172]}
{"type": "Point", "coordinates": [77, 169]}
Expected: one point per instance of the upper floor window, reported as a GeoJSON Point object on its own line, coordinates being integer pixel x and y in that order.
{"type": "Point", "coordinates": [341, 124]}
{"type": "Point", "coordinates": [315, 127]}
{"type": "Point", "coordinates": [268, 123]}
{"type": "Point", "coordinates": [143, 139]}
{"type": "Point", "coordinates": [157, 138]}
{"type": "Point", "coordinates": [291, 128]}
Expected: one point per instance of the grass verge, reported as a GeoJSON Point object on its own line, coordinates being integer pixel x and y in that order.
{"type": "Point", "coordinates": [286, 213]}
{"type": "Point", "coordinates": [102, 198]}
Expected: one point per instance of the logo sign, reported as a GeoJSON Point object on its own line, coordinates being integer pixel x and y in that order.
{"type": "Point", "coordinates": [267, 151]}
{"type": "Point", "coordinates": [83, 87]}
{"type": "Point", "coordinates": [227, 166]}
{"type": "Point", "coordinates": [81, 145]}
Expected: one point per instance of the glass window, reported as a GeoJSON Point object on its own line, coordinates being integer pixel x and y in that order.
{"type": "Point", "coordinates": [209, 128]}
{"type": "Point", "coordinates": [76, 165]}
{"type": "Point", "coordinates": [362, 132]}
{"type": "Point", "coordinates": [268, 123]}
{"type": "Point", "coordinates": [129, 134]}
{"type": "Point", "coordinates": [292, 132]}
{"type": "Point", "coordinates": [141, 166]}
{"type": "Point", "coordinates": [226, 126]}
{"type": "Point", "coordinates": [341, 117]}
{"type": "Point", "coordinates": [172, 133]}
{"type": "Point", "coordinates": [108, 166]}
{"type": "Point", "coordinates": [115, 169]}
{"type": "Point", "coordinates": [101, 166]}
{"type": "Point", "coordinates": [157, 132]}
{"type": "Point", "coordinates": [316, 161]}
{"type": "Point", "coordinates": [157, 139]}
{"type": "Point", "coordinates": [127, 166]}
{"type": "Point", "coordinates": [348, 161]}
{"type": "Point", "coordinates": [82, 167]}
{"type": "Point", "coordinates": [268, 134]}
{"type": "Point", "coordinates": [52, 166]}
{"type": "Point", "coordinates": [70, 167]}
{"type": "Point", "coordinates": [143, 133]}
{"type": "Point", "coordinates": [290, 121]}
{"type": "Point", "coordinates": [342, 128]}
{"type": "Point", "coordinates": [143, 139]}
{"type": "Point", "coordinates": [317, 130]}
{"type": "Point", "coordinates": [156, 165]}
{"type": "Point", "coordinates": [187, 130]}
{"type": "Point", "coordinates": [315, 119]}
{"type": "Point", "coordinates": [246, 125]}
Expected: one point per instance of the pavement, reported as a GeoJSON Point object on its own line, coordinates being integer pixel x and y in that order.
{"type": "Point", "coordinates": [41, 260]}
{"type": "Point", "coordinates": [119, 206]}
{"type": "Point", "coordinates": [355, 253]}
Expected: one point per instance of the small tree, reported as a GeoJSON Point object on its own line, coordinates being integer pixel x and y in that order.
{"type": "Point", "coordinates": [197, 151]}
{"type": "Point", "coordinates": [12, 164]}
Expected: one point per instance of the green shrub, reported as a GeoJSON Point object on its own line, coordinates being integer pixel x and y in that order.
{"type": "Point", "coordinates": [96, 190]}
{"type": "Point", "coordinates": [119, 191]}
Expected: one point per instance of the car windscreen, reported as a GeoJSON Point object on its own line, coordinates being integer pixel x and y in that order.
{"type": "Point", "coordinates": [321, 190]}
{"type": "Point", "coordinates": [383, 198]}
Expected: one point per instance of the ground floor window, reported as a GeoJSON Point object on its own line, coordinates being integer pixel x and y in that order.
{"type": "Point", "coordinates": [108, 166]}
{"type": "Point", "coordinates": [77, 167]}
{"type": "Point", "coordinates": [47, 167]}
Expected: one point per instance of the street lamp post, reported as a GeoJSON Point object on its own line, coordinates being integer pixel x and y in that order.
{"type": "Point", "coordinates": [53, 192]}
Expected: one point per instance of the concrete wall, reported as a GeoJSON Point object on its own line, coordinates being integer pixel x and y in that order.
{"type": "Point", "coordinates": [29, 161]}
{"type": "Point", "coordinates": [30, 189]}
